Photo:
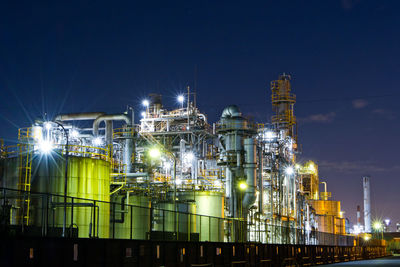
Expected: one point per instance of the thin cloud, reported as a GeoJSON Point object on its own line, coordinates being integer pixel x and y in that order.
{"type": "Point", "coordinates": [319, 118]}
{"type": "Point", "coordinates": [360, 103]}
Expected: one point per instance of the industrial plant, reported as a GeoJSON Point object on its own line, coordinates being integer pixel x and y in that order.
{"type": "Point", "coordinates": [173, 176]}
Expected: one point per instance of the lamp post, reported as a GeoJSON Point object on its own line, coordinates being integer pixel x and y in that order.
{"type": "Point", "coordinates": [65, 179]}
{"type": "Point", "coordinates": [378, 227]}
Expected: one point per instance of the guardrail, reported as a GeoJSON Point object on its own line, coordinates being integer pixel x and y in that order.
{"type": "Point", "coordinates": [88, 218]}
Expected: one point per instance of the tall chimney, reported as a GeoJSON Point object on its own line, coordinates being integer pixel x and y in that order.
{"type": "Point", "coordinates": [367, 204]}
{"type": "Point", "coordinates": [358, 216]}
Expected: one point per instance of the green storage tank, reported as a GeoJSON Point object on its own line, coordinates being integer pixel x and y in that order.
{"type": "Point", "coordinates": [88, 178]}
{"type": "Point", "coordinates": [137, 216]}
{"type": "Point", "coordinates": [209, 203]}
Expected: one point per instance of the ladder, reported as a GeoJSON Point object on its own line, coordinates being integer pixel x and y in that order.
{"type": "Point", "coordinates": [25, 156]}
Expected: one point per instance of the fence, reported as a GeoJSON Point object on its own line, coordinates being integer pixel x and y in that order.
{"type": "Point", "coordinates": [162, 221]}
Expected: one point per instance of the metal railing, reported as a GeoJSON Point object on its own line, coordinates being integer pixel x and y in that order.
{"type": "Point", "coordinates": [90, 218]}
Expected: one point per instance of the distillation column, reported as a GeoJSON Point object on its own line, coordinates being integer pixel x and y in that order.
{"type": "Point", "coordinates": [367, 204]}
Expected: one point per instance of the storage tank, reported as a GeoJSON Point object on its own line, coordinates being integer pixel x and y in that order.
{"type": "Point", "coordinates": [136, 217]}
{"type": "Point", "coordinates": [88, 178]}
{"type": "Point", "coordinates": [211, 204]}
{"type": "Point", "coordinates": [165, 219]}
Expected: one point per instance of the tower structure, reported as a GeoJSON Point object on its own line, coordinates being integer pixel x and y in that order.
{"type": "Point", "coordinates": [367, 204]}
{"type": "Point", "coordinates": [282, 104]}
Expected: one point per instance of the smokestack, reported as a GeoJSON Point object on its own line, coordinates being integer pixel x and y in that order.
{"type": "Point", "coordinates": [367, 204]}
{"type": "Point", "coordinates": [358, 215]}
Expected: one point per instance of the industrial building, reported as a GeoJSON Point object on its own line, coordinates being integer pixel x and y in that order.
{"type": "Point", "coordinates": [173, 176]}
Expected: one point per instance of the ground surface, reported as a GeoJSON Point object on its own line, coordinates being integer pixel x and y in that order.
{"type": "Point", "coordinates": [389, 261]}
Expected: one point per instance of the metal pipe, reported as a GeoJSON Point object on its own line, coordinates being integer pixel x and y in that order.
{"type": "Point", "coordinates": [325, 190]}
{"type": "Point", "coordinates": [78, 116]}
{"type": "Point", "coordinates": [250, 166]}
{"type": "Point", "coordinates": [128, 143]}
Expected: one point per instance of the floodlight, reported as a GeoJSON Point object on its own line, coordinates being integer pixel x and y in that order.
{"type": "Point", "coordinates": [97, 141]}
{"type": "Point", "coordinates": [181, 98]}
{"type": "Point", "coordinates": [154, 153]}
{"type": "Point", "coordinates": [289, 170]}
{"type": "Point", "coordinates": [145, 103]}
{"type": "Point", "coordinates": [45, 146]}
{"type": "Point", "coordinates": [242, 185]}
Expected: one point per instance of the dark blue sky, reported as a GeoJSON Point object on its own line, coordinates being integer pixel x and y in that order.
{"type": "Point", "coordinates": [343, 57]}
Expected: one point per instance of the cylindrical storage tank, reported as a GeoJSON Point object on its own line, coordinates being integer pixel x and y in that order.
{"type": "Point", "coordinates": [133, 220]}
{"type": "Point", "coordinates": [211, 205]}
{"type": "Point", "coordinates": [167, 222]}
{"type": "Point", "coordinates": [88, 178]}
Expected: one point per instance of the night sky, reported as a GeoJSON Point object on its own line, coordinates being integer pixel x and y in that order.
{"type": "Point", "coordinates": [343, 56]}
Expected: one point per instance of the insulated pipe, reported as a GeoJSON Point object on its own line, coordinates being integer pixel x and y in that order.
{"type": "Point", "coordinates": [250, 167]}
{"type": "Point", "coordinates": [78, 116]}
{"type": "Point", "coordinates": [128, 149]}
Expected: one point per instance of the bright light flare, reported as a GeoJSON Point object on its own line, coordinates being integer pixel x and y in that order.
{"type": "Point", "coordinates": [269, 135]}
{"type": "Point", "coordinates": [97, 141]}
{"type": "Point", "coordinates": [217, 183]}
{"type": "Point", "coordinates": [377, 225]}
{"type": "Point", "coordinates": [178, 181]}
{"type": "Point", "coordinates": [45, 146]}
{"type": "Point", "coordinates": [154, 153]}
{"type": "Point", "coordinates": [47, 125]}
{"type": "Point", "coordinates": [181, 98]}
{"type": "Point", "coordinates": [145, 103]}
{"type": "Point", "coordinates": [242, 185]}
{"type": "Point", "coordinates": [387, 222]}
{"type": "Point", "coordinates": [289, 170]}
{"type": "Point", "coordinates": [143, 114]}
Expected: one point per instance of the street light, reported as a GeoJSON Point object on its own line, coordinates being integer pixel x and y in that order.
{"type": "Point", "coordinates": [378, 226]}
{"type": "Point", "coordinates": [48, 126]}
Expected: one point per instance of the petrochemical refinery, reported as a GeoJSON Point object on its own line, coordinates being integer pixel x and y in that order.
{"type": "Point", "coordinates": [173, 176]}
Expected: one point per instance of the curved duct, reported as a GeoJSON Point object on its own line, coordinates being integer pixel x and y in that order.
{"type": "Point", "coordinates": [108, 119]}
{"type": "Point", "coordinates": [231, 111]}
{"type": "Point", "coordinates": [78, 116]}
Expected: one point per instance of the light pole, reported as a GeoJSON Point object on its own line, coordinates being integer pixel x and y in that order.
{"type": "Point", "coordinates": [378, 227]}
{"type": "Point", "coordinates": [65, 178]}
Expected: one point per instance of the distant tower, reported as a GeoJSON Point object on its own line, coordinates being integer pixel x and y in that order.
{"type": "Point", "coordinates": [282, 104]}
{"type": "Point", "coordinates": [367, 204]}
{"type": "Point", "coordinates": [358, 216]}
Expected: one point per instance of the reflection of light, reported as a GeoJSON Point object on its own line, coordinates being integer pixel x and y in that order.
{"type": "Point", "coordinates": [178, 181]}
{"type": "Point", "coordinates": [97, 141]}
{"type": "Point", "coordinates": [143, 114]}
{"type": "Point", "coordinates": [366, 237]}
{"type": "Point", "coordinates": [269, 135]}
{"type": "Point", "coordinates": [154, 153]}
{"type": "Point", "coordinates": [45, 146]}
{"type": "Point", "coordinates": [181, 98]}
{"type": "Point", "coordinates": [74, 133]}
{"type": "Point", "coordinates": [289, 170]}
{"type": "Point", "coordinates": [242, 185]}
{"type": "Point", "coordinates": [145, 103]}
